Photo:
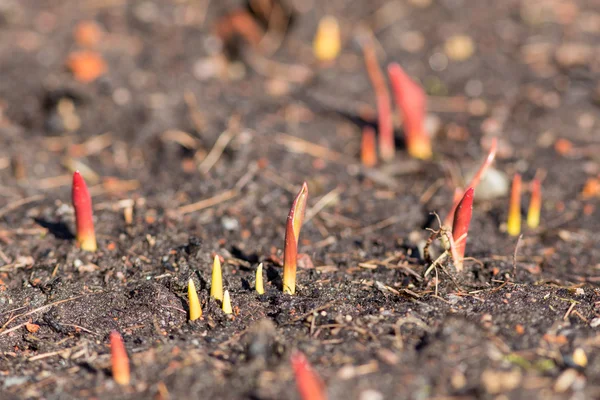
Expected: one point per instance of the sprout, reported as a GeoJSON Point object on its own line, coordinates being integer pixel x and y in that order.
{"type": "Point", "coordinates": [119, 359]}
{"type": "Point", "coordinates": [292, 232]}
{"type": "Point", "coordinates": [368, 153]}
{"type": "Point", "coordinates": [216, 287]}
{"type": "Point", "coordinates": [259, 280]}
{"type": "Point", "coordinates": [195, 308]}
{"type": "Point", "coordinates": [535, 204]}
{"type": "Point", "coordinates": [309, 384]}
{"type": "Point", "coordinates": [410, 99]}
{"type": "Point", "coordinates": [327, 42]}
{"type": "Point", "coordinates": [387, 147]}
{"type": "Point", "coordinates": [513, 226]}
{"type": "Point", "coordinates": [82, 203]}
{"type": "Point", "coordinates": [460, 228]}
{"type": "Point", "coordinates": [227, 303]}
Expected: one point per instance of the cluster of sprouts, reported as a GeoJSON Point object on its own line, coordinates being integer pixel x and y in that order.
{"type": "Point", "coordinates": [453, 231]}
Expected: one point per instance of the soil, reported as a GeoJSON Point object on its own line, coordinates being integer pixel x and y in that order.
{"type": "Point", "coordinates": [172, 122]}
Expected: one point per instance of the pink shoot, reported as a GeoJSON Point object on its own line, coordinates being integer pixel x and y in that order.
{"type": "Point", "coordinates": [460, 227]}
{"type": "Point", "coordinates": [410, 99]}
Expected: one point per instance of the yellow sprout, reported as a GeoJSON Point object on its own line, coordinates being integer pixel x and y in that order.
{"type": "Point", "coordinates": [513, 226]}
{"type": "Point", "coordinates": [227, 303]}
{"type": "Point", "coordinates": [327, 42]}
{"type": "Point", "coordinates": [535, 205]}
{"type": "Point", "coordinates": [216, 287]}
{"type": "Point", "coordinates": [195, 308]}
{"type": "Point", "coordinates": [259, 280]}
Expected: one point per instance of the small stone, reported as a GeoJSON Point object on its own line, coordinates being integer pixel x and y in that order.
{"type": "Point", "coordinates": [579, 357]}
{"type": "Point", "coordinates": [152, 241]}
{"type": "Point", "coordinates": [533, 13]}
{"type": "Point", "coordinates": [458, 380]}
{"type": "Point", "coordinates": [87, 268]}
{"type": "Point", "coordinates": [595, 323]}
{"type": "Point", "coordinates": [551, 99]}
{"type": "Point", "coordinates": [586, 121]}
{"type": "Point", "coordinates": [491, 126]}
{"type": "Point", "coordinates": [121, 96]}
{"type": "Point", "coordinates": [277, 87]}
{"type": "Point", "coordinates": [438, 62]}
{"type": "Point", "coordinates": [412, 41]}
{"type": "Point", "coordinates": [487, 321]}
{"type": "Point", "coordinates": [459, 47]}
{"type": "Point", "coordinates": [546, 139]}
{"type": "Point", "coordinates": [261, 341]}
{"type": "Point", "coordinates": [420, 3]}
{"type": "Point", "coordinates": [566, 12]}
{"type": "Point", "coordinates": [500, 381]}
{"type": "Point", "coordinates": [589, 22]}
{"type": "Point", "coordinates": [346, 372]}
{"type": "Point", "coordinates": [157, 101]}
{"type": "Point", "coordinates": [415, 237]}
{"type": "Point", "coordinates": [15, 381]}
{"type": "Point", "coordinates": [433, 125]}
{"type": "Point", "coordinates": [236, 71]}
{"type": "Point", "coordinates": [591, 168]}
{"type": "Point", "coordinates": [230, 224]}
{"type": "Point", "coordinates": [537, 53]}
{"type": "Point", "coordinates": [370, 394]}
{"type": "Point", "coordinates": [146, 12]}
{"type": "Point", "coordinates": [454, 299]}
{"type": "Point", "coordinates": [477, 107]}
{"type": "Point", "coordinates": [208, 68]}
{"type": "Point", "coordinates": [573, 54]}
{"type": "Point", "coordinates": [494, 184]}
{"type": "Point", "coordinates": [565, 380]}
{"type": "Point", "coordinates": [66, 109]}
{"type": "Point", "coordinates": [474, 88]}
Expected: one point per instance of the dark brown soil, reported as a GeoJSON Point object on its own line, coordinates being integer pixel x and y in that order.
{"type": "Point", "coordinates": [369, 323]}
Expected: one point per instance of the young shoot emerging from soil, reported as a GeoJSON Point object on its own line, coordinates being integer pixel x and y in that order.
{"type": "Point", "coordinates": [327, 42]}
{"type": "Point", "coordinates": [387, 147]}
{"type": "Point", "coordinates": [513, 225]}
{"type": "Point", "coordinates": [216, 287]}
{"type": "Point", "coordinates": [260, 289]}
{"type": "Point", "coordinates": [535, 204]}
{"type": "Point", "coordinates": [119, 359]}
{"type": "Point", "coordinates": [227, 303]}
{"type": "Point", "coordinates": [195, 307]}
{"type": "Point", "coordinates": [410, 100]}
{"type": "Point", "coordinates": [84, 219]}
{"type": "Point", "coordinates": [309, 384]}
{"type": "Point", "coordinates": [455, 243]}
{"type": "Point", "coordinates": [368, 152]}
{"type": "Point", "coordinates": [292, 232]}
